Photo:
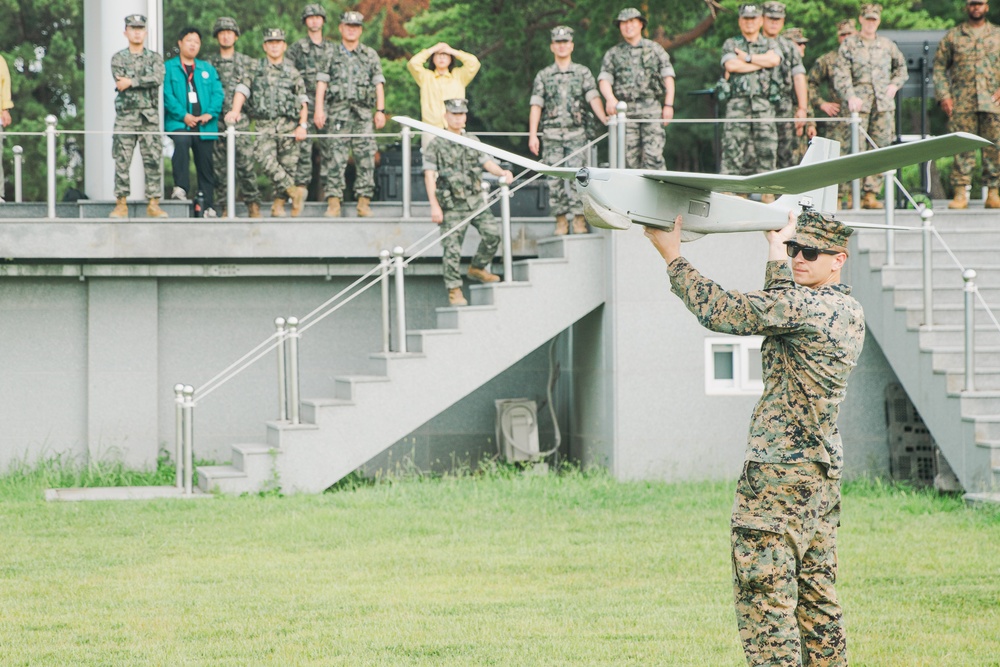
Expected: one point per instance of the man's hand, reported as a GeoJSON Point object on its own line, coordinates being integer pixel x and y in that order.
{"type": "Point", "coordinates": [810, 131]}
{"type": "Point", "coordinates": [232, 117]}
{"type": "Point", "coordinates": [854, 104]}
{"type": "Point", "coordinates": [507, 177]}
{"type": "Point", "coordinates": [379, 120]}
{"type": "Point", "coordinates": [668, 115]}
{"type": "Point", "coordinates": [948, 104]}
{"type": "Point", "coordinates": [534, 144]}
{"type": "Point", "coordinates": [319, 118]}
{"type": "Point", "coordinates": [300, 133]}
{"type": "Point", "coordinates": [5, 118]}
{"type": "Point", "coordinates": [831, 109]}
{"type": "Point", "coordinates": [611, 106]}
{"type": "Point", "coordinates": [668, 244]}
{"type": "Point", "coordinates": [776, 240]}
{"type": "Point", "coordinates": [800, 125]}
{"type": "Point", "coordinates": [891, 90]}
{"type": "Point", "coordinates": [123, 83]}
{"type": "Point", "coordinates": [437, 216]}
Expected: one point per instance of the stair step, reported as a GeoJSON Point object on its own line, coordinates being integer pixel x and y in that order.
{"type": "Point", "coordinates": [380, 362]}
{"type": "Point", "coordinates": [310, 407]}
{"type": "Point", "coordinates": [522, 270]}
{"type": "Point", "coordinates": [419, 339]}
{"type": "Point", "coordinates": [448, 317]}
{"type": "Point", "coordinates": [909, 241]}
{"type": "Point", "coordinates": [980, 256]}
{"type": "Point", "coordinates": [346, 387]}
{"type": "Point", "coordinates": [941, 276]}
{"type": "Point", "coordinates": [953, 335]}
{"type": "Point", "coordinates": [913, 295]}
{"type": "Point", "coordinates": [949, 314]}
{"type": "Point", "coordinates": [486, 295]}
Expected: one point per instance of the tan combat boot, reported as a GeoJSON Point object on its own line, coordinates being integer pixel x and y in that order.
{"type": "Point", "coordinates": [153, 209]}
{"type": "Point", "coordinates": [364, 207]}
{"type": "Point", "coordinates": [456, 298]}
{"type": "Point", "coordinates": [253, 209]}
{"type": "Point", "coordinates": [278, 208]}
{"type": "Point", "coordinates": [562, 225]}
{"type": "Point", "coordinates": [121, 208]}
{"type": "Point", "coordinates": [960, 200]}
{"type": "Point", "coordinates": [298, 197]}
{"type": "Point", "coordinates": [482, 275]}
{"type": "Point", "coordinates": [993, 198]}
{"type": "Point", "coordinates": [332, 207]}
{"type": "Point", "coordinates": [767, 198]}
{"type": "Point", "coordinates": [580, 225]}
{"type": "Point", "coordinates": [869, 201]}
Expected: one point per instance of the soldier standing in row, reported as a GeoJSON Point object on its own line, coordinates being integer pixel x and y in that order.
{"type": "Point", "coordinates": [6, 104]}
{"type": "Point", "coordinates": [310, 55]}
{"type": "Point", "coordinates": [821, 75]}
{"type": "Point", "coordinates": [638, 71]}
{"type": "Point", "coordinates": [749, 61]}
{"type": "Point", "coordinates": [558, 100]}
{"type": "Point", "coordinates": [869, 72]}
{"type": "Point", "coordinates": [277, 97]}
{"type": "Point", "coordinates": [967, 86]}
{"type": "Point", "coordinates": [352, 85]}
{"type": "Point", "coordinates": [452, 174]}
{"type": "Point", "coordinates": [232, 68]}
{"type": "Point", "coordinates": [138, 76]}
{"type": "Point", "coordinates": [797, 37]}
{"type": "Point", "coordinates": [791, 77]}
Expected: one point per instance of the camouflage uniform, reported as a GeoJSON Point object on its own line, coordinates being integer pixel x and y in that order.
{"type": "Point", "coordinates": [311, 59]}
{"type": "Point", "coordinates": [787, 507]}
{"type": "Point", "coordinates": [232, 71]}
{"type": "Point", "coordinates": [791, 65]}
{"type": "Point", "coordinates": [821, 74]}
{"type": "Point", "coordinates": [865, 70]}
{"type": "Point", "coordinates": [459, 193]}
{"type": "Point", "coordinates": [967, 69]}
{"type": "Point", "coordinates": [750, 148]}
{"type": "Point", "coordinates": [352, 78]}
{"type": "Point", "coordinates": [563, 96]}
{"type": "Point", "coordinates": [137, 109]}
{"type": "Point", "coordinates": [636, 76]}
{"type": "Point", "coordinates": [275, 94]}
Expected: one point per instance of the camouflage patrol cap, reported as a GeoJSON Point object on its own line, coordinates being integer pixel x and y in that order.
{"type": "Point", "coordinates": [774, 10]}
{"type": "Point", "coordinates": [457, 105]}
{"type": "Point", "coordinates": [871, 11]}
{"type": "Point", "coordinates": [135, 21]}
{"type": "Point", "coordinates": [750, 11]}
{"type": "Point", "coordinates": [795, 34]}
{"type": "Point", "coordinates": [846, 27]}
{"type": "Point", "coordinates": [313, 10]}
{"type": "Point", "coordinates": [562, 33]}
{"type": "Point", "coordinates": [225, 23]}
{"type": "Point", "coordinates": [352, 18]}
{"type": "Point", "coordinates": [628, 14]}
{"type": "Point", "coordinates": [274, 35]}
{"type": "Point", "coordinates": [975, 2]}
{"type": "Point", "coordinates": [816, 230]}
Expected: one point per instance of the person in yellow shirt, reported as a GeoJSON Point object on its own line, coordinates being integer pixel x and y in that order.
{"type": "Point", "coordinates": [6, 104]}
{"type": "Point", "coordinates": [445, 77]}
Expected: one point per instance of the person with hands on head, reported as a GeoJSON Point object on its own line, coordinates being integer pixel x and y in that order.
{"type": "Point", "coordinates": [442, 73]}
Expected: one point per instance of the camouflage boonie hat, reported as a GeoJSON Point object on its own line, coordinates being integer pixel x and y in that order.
{"type": "Point", "coordinates": [871, 11]}
{"type": "Point", "coordinates": [795, 34]}
{"type": "Point", "coordinates": [774, 10]}
{"type": "Point", "coordinates": [628, 14]}
{"type": "Point", "coordinates": [352, 18]}
{"type": "Point", "coordinates": [313, 10]}
{"type": "Point", "coordinates": [457, 105]}
{"type": "Point", "coordinates": [274, 35]}
{"type": "Point", "coordinates": [816, 230]}
{"type": "Point", "coordinates": [135, 21]}
{"type": "Point", "coordinates": [225, 23]}
{"type": "Point", "coordinates": [846, 27]}
{"type": "Point", "coordinates": [750, 11]}
{"type": "Point", "coordinates": [562, 33]}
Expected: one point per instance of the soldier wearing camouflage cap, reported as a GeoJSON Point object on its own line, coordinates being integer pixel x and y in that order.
{"type": "Point", "coordinates": [783, 526]}
{"type": "Point", "coordinates": [792, 86]}
{"type": "Point", "coordinates": [801, 144]}
{"type": "Point", "coordinates": [967, 86]}
{"type": "Point", "coordinates": [870, 70]}
{"type": "Point", "coordinates": [232, 67]}
{"type": "Point", "coordinates": [559, 99]}
{"type": "Point", "coordinates": [825, 101]}
{"type": "Point", "coordinates": [637, 71]}
{"type": "Point", "coordinates": [138, 74]}
{"type": "Point", "coordinates": [276, 95]}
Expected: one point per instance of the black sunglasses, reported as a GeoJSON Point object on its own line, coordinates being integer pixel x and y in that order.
{"type": "Point", "coordinates": [808, 253]}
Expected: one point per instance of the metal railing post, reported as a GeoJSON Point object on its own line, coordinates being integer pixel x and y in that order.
{"type": "Point", "coordinates": [293, 369]}
{"type": "Point", "coordinates": [969, 276]}
{"type": "Point", "coordinates": [621, 108]}
{"type": "Point", "coordinates": [179, 435]}
{"type": "Point", "coordinates": [18, 160]}
{"type": "Point", "coordinates": [613, 141]}
{"type": "Point", "coordinates": [230, 172]}
{"type": "Point", "coordinates": [928, 267]}
{"type": "Point", "coordinates": [890, 214]}
{"type": "Point", "coordinates": [279, 324]}
{"type": "Point", "coordinates": [188, 439]}
{"type": "Point", "coordinates": [50, 162]}
{"type": "Point", "coordinates": [508, 260]}
{"type": "Point", "coordinates": [397, 262]}
{"type": "Point", "coordinates": [385, 268]}
{"type": "Point", "coordinates": [855, 148]}
{"type": "Point", "coordinates": [407, 173]}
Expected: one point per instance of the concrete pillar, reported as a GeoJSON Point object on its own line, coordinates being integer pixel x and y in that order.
{"type": "Point", "coordinates": [103, 36]}
{"type": "Point", "coordinates": [122, 361]}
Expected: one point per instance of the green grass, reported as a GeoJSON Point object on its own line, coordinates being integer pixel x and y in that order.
{"type": "Point", "coordinates": [502, 569]}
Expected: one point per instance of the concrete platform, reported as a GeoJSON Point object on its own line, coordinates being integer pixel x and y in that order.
{"type": "Point", "coordinates": [121, 493]}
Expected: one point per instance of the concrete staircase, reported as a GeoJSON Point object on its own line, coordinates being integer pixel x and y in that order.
{"type": "Point", "coordinates": [929, 360]}
{"type": "Point", "coordinates": [365, 414]}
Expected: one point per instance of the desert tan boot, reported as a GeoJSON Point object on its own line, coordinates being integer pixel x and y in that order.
{"type": "Point", "coordinates": [364, 207]}
{"type": "Point", "coordinates": [580, 225]}
{"type": "Point", "coordinates": [959, 200]}
{"type": "Point", "coordinates": [253, 209]}
{"type": "Point", "coordinates": [278, 208]}
{"type": "Point", "coordinates": [121, 208]}
{"type": "Point", "coordinates": [869, 201]}
{"type": "Point", "coordinates": [153, 209]}
{"type": "Point", "coordinates": [482, 275]}
{"type": "Point", "coordinates": [993, 198]}
{"type": "Point", "coordinates": [332, 207]}
{"type": "Point", "coordinates": [298, 197]}
{"type": "Point", "coordinates": [562, 225]}
{"type": "Point", "coordinates": [456, 298]}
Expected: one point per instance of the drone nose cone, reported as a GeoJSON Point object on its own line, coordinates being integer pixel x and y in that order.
{"type": "Point", "coordinates": [583, 177]}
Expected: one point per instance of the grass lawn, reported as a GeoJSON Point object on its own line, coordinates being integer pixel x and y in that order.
{"type": "Point", "coordinates": [497, 570]}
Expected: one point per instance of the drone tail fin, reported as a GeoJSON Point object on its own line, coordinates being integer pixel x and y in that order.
{"type": "Point", "coordinates": [820, 150]}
